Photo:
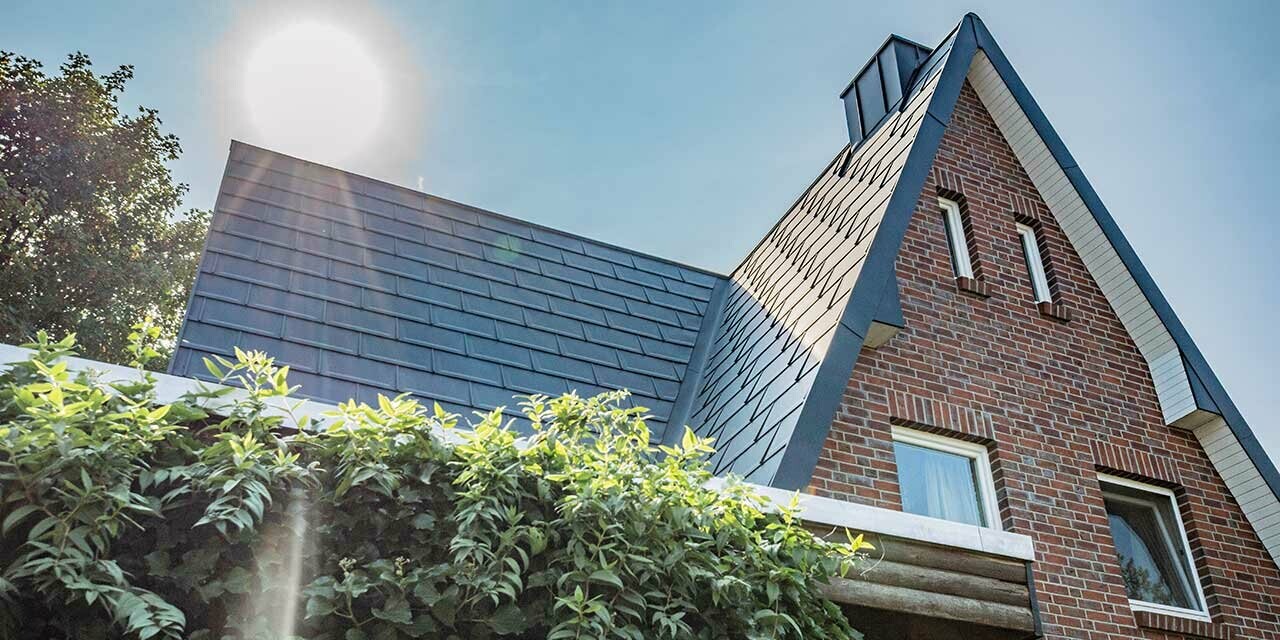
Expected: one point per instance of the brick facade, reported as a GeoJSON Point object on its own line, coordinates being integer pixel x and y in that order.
{"type": "Point", "coordinates": [1058, 394]}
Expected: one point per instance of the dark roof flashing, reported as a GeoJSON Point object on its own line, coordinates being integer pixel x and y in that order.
{"type": "Point", "coordinates": [880, 85]}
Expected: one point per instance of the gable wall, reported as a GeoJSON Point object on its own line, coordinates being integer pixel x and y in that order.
{"type": "Point", "coordinates": [1057, 400]}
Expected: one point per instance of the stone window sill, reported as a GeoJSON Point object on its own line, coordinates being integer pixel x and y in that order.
{"type": "Point", "coordinates": [1055, 310]}
{"type": "Point", "coordinates": [1186, 626]}
{"type": "Point", "coordinates": [973, 286]}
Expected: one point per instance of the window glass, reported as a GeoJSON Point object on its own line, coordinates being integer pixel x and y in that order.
{"type": "Point", "coordinates": [1150, 547]}
{"type": "Point", "coordinates": [1035, 263]}
{"type": "Point", "coordinates": [960, 261]}
{"type": "Point", "coordinates": [938, 484]}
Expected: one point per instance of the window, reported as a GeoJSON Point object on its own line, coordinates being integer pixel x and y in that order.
{"type": "Point", "coordinates": [960, 261]}
{"type": "Point", "coordinates": [1152, 549]}
{"type": "Point", "coordinates": [1035, 263]}
{"type": "Point", "coordinates": [945, 478]}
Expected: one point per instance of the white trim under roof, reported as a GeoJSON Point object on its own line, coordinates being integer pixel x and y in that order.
{"type": "Point", "coordinates": [1103, 262]}
{"type": "Point", "coordinates": [1164, 358]}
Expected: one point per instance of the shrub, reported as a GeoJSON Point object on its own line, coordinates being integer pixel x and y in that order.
{"type": "Point", "coordinates": [124, 518]}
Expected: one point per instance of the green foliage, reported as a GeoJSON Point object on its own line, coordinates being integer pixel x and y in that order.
{"type": "Point", "coordinates": [89, 240]}
{"type": "Point", "coordinates": [124, 518]}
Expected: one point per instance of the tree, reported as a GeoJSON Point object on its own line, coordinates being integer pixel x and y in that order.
{"type": "Point", "coordinates": [123, 519]}
{"type": "Point", "coordinates": [90, 239]}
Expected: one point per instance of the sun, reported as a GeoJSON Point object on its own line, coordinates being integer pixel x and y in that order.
{"type": "Point", "coordinates": [313, 89]}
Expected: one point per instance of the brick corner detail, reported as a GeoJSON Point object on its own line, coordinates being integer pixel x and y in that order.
{"type": "Point", "coordinates": [1055, 310]}
{"type": "Point", "coordinates": [974, 286]}
{"type": "Point", "coordinates": [1128, 462]}
{"type": "Point", "coordinates": [1185, 626]}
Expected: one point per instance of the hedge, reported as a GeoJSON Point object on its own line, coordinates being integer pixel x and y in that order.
{"type": "Point", "coordinates": [124, 518]}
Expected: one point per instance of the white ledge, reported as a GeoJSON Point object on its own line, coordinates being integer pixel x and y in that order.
{"type": "Point", "coordinates": [170, 389]}
{"type": "Point", "coordinates": [861, 518]}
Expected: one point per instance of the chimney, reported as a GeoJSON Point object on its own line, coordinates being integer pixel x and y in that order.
{"type": "Point", "coordinates": [878, 87]}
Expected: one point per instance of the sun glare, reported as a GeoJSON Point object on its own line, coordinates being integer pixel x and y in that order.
{"type": "Point", "coordinates": [314, 90]}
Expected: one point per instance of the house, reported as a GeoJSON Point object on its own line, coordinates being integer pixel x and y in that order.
{"type": "Point", "coordinates": [945, 341]}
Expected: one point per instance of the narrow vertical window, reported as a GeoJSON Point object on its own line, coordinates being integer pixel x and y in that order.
{"type": "Point", "coordinates": [1035, 263]}
{"type": "Point", "coordinates": [960, 261]}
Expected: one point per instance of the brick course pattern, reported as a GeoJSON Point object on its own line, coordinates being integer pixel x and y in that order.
{"type": "Point", "coordinates": [1061, 401]}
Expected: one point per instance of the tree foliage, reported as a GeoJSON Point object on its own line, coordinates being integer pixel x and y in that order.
{"type": "Point", "coordinates": [90, 239]}
{"type": "Point", "coordinates": [124, 518]}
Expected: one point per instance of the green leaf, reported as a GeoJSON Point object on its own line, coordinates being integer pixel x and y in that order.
{"type": "Point", "coordinates": [396, 610]}
{"type": "Point", "coordinates": [606, 576]}
{"type": "Point", "coordinates": [17, 516]}
{"type": "Point", "coordinates": [509, 619]}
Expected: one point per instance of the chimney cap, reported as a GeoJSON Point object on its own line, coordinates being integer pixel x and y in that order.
{"type": "Point", "coordinates": [893, 37]}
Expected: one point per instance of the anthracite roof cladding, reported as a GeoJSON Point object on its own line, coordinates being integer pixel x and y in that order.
{"type": "Point", "coordinates": [363, 288]}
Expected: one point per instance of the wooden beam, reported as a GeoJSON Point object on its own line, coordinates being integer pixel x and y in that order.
{"type": "Point", "coordinates": [932, 605]}
{"type": "Point", "coordinates": [921, 555]}
{"type": "Point", "coordinates": [946, 582]}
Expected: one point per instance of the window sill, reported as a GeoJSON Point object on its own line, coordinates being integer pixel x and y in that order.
{"type": "Point", "coordinates": [1055, 310]}
{"type": "Point", "coordinates": [973, 286]}
{"type": "Point", "coordinates": [1186, 625]}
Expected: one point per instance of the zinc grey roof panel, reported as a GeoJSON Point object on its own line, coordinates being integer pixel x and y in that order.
{"type": "Point", "coordinates": [228, 244]}
{"type": "Point", "coordinates": [376, 288]}
{"type": "Point", "coordinates": [285, 303]}
{"type": "Point", "coordinates": [433, 336]}
{"type": "Point", "coordinates": [235, 316]}
{"type": "Point", "coordinates": [319, 334]}
{"type": "Point", "coordinates": [786, 302]}
{"type": "Point", "coordinates": [217, 287]}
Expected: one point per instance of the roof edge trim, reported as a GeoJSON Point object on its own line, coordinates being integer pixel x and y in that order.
{"type": "Point", "coordinates": [1199, 367]}
{"type": "Point", "coordinates": [800, 457]}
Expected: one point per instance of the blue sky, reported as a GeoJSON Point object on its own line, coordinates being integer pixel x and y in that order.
{"type": "Point", "coordinates": [686, 129]}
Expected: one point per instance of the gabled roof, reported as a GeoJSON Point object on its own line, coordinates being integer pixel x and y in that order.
{"type": "Point", "coordinates": [364, 288]}
{"type": "Point", "coordinates": [807, 299]}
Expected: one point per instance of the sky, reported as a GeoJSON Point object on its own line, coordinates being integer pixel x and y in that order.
{"type": "Point", "coordinates": [686, 129]}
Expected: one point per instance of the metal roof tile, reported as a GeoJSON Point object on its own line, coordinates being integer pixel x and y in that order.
{"type": "Point", "coordinates": [414, 293]}
{"type": "Point", "coordinates": [290, 304]}
{"type": "Point", "coordinates": [429, 292]}
{"type": "Point", "coordinates": [321, 335]}
{"type": "Point", "coordinates": [468, 368]}
{"type": "Point", "coordinates": [239, 317]}
{"type": "Point", "coordinates": [396, 351]}
{"type": "Point", "coordinates": [432, 336]}
{"type": "Point", "coordinates": [433, 386]}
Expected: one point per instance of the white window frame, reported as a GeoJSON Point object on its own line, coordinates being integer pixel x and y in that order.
{"type": "Point", "coordinates": [1193, 577]}
{"type": "Point", "coordinates": [976, 452]}
{"type": "Point", "coordinates": [961, 263]}
{"type": "Point", "coordinates": [1035, 263]}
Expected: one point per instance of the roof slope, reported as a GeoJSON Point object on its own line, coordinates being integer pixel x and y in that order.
{"type": "Point", "coordinates": [783, 348]}
{"type": "Point", "coordinates": [366, 288]}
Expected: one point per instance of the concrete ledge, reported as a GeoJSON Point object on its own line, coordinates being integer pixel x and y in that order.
{"type": "Point", "coordinates": [170, 389]}
{"type": "Point", "coordinates": [865, 519]}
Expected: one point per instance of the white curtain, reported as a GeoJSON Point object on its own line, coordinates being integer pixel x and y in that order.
{"type": "Point", "coordinates": [937, 484]}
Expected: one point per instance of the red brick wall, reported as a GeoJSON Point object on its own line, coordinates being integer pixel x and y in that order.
{"type": "Point", "coordinates": [1056, 402]}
